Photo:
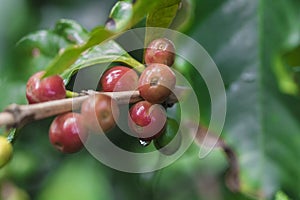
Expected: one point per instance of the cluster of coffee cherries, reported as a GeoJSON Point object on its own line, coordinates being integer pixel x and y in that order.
{"type": "Point", "coordinates": [99, 113]}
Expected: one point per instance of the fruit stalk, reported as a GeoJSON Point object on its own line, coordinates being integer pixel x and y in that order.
{"type": "Point", "coordinates": [16, 116]}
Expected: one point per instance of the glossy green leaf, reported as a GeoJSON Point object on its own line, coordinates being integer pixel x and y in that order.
{"type": "Point", "coordinates": [120, 16]}
{"type": "Point", "coordinates": [124, 16]}
{"type": "Point", "coordinates": [38, 49]}
{"type": "Point", "coordinates": [71, 31]}
{"type": "Point", "coordinates": [69, 55]}
{"type": "Point", "coordinates": [161, 16]}
{"type": "Point", "coordinates": [185, 16]}
{"type": "Point", "coordinates": [105, 53]}
{"type": "Point", "coordinates": [127, 13]}
{"type": "Point", "coordinates": [142, 7]}
{"type": "Point", "coordinates": [262, 125]}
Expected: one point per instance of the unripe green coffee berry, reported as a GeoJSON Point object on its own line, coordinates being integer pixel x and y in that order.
{"type": "Point", "coordinates": [169, 141]}
{"type": "Point", "coordinates": [6, 151]}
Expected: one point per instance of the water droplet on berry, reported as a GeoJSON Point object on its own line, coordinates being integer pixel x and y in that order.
{"type": "Point", "coordinates": [144, 143]}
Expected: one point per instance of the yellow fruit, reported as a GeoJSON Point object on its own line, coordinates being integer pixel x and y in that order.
{"type": "Point", "coordinates": [6, 151]}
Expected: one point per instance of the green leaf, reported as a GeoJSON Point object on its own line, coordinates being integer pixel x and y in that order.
{"type": "Point", "coordinates": [125, 14]}
{"type": "Point", "coordinates": [161, 16]}
{"type": "Point", "coordinates": [39, 48]}
{"type": "Point", "coordinates": [142, 7]}
{"type": "Point", "coordinates": [262, 125]}
{"type": "Point", "coordinates": [185, 16]}
{"type": "Point", "coordinates": [66, 58]}
{"type": "Point", "coordinates": [105, 53]}
{"type": "Point", "coordinates": [120, 16]}
{"type": "Point", "coordinates": [62, 61]}
{"type": "Point", "coordinates": [71, 31]}
{"type": "Point", "coordinates": [124, 17]}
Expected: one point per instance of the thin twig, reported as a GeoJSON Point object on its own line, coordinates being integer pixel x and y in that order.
{"type": "Point", "coordinates": [205, 138]}
{"type": "Point", "coordinates": [18, 115]}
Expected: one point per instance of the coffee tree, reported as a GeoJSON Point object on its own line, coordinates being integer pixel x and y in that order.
{"type": "Point", "coordinates": [131, 81]}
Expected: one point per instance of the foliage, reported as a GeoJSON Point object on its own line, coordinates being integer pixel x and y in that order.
{"type": "Point", "coordinates": [255, 45]}
{"type": "Point", "coordinates": [245, 54]}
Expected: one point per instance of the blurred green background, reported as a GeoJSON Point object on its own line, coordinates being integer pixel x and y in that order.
{"type": "Point", "coordinates": [248, 40]}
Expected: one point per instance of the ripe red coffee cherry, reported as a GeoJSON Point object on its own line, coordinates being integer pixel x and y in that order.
{"type": "Point", "coordinates": [47, 89]}
{"type": "Point", "coordinates": [160, 51]}
{"type": "Point", "coordinates": [101, 113]}
{"type": "Point", "coordinates": [147, 120]}
{"type": "Point", "coordinates": [156, 83]}
{"type": "Point", "coordinates": [118, 79]}
{"type": "Point", "coordinates": [68, 132]}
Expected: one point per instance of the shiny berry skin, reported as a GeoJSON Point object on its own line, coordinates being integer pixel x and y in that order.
{"type": "Point", "coordinates": [160, 51]}
{"type": "Point", "coordinates": [47, 89]}
{"type": "Point", "coordinates": [156, 83]}
{"type": "Point", "coordinates": [147, 120]}
{"type": "Point", "coordinates": [6, 151]}
{"type": "Point", "coordinates": [68, 132]}
{"type": "Point", "coordinates": [169, 141]}
{"type": "Point", "coordinates": [118, 78]}
{"type": "Point", "coordinates": [101, 113]}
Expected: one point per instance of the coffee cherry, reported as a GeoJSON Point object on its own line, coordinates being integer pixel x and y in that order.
{"type": "Point", "coordinates": [101, 113]}
{"type": "Point", "coordinates": [156, 83]}
{"type": "Point", "coordinates": [160, 51]}
{"type": "Point", "coordinates": [47, 89]}
{"type": "Point", "coordinates": [6, 151]}
{"type": "Point", "coordinates": [146, 120]}
{"type": "Point", "coordinates": [68, 132]}
{"type": "Point", "coordinates": [118, 79]}
{"type": "Point", "coordinates": [169, 141]}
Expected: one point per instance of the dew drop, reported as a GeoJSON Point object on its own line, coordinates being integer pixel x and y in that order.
{"type": "Point", "coordinates": [144, 143]}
